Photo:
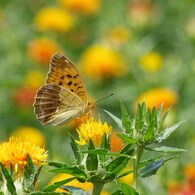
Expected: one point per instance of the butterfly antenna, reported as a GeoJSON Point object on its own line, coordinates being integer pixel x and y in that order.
{"type": "Point", "coordinates": [104, 98]}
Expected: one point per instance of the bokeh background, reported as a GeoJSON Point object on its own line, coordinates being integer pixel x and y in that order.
{"type": "Point", "coordinates": [137, 49]}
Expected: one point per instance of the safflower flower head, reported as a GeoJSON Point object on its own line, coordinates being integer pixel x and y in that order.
{"type": "Point", "coordinates": [92, 130]}
{"type": "Point", "coordinates": [41, 50]}
{"type": "Point", "coordinates": [101, 62]}
{"type": "Point", "coordinates": [151, 62]}
{"type": "Point", "coordinates": [14, 152]}
{"type": "Point", "coordinates": [156, 97]}
{"type": "Point", "coordinates": [81, 6]}
{"type": "Point", "coordinates": [53, 18]}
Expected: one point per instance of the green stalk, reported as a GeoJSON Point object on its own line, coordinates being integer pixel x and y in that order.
{"type": "Point", "coordinates": [97, 188]}
{"type": "Point", "coordinates": [136, 164]}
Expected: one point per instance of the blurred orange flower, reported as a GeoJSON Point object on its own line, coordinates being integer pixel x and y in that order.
{"type": "Point", "coordinates": [101, 62]}
{"type": "Point", "coordinates": [187, 187]}
{"type": "Point", "coordinates": [151, 62]}
{"type": "Point", "coordinates": [87, 186]}
{"type": "Point", "coordinates": [24, 96]}
{"type": "Point", "coordinates": [140, 13]}
{"type": "Point", "coordinates": [82, 6]}
{"type": "Point", "coordinates": [15, 152]}
{"type": "Point", "coordinates": [155, 97]}
{"type": "Point", "coordinates": [189, 172]}
{"type": "Point", "coordinates": [42, 49]}
{"type": "Point", "coordinates": [30, 134]}
{"type": "Point", "coordinates": [115, 143]}
{"type": "Point", "coordinates": [53, 18]}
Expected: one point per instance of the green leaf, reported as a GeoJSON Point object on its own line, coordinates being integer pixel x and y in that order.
{"type": "Point", "coordinates": [128, 190]}
{"type": "Point", "coordinates": [56, 185]}
{"type": "Point", "coordinates": [163, 118]}
{"type": "Point", "coordinates": [139, 117]}
{"type": "Point", "coordinates": [92, 159]}
{"type": "Point", "coordinates": [118, 192]}
{"type": "Point", "coordinates": [126, 120]}
{"type": "Point", "coordinates": [151, 168]}
{"type": "Point", "coordinates": [75, 149]}
{"type": "Point", "coordinates": [167, 132]}
{"type": "Point", "coordinates": [168, 149]}
{"type": "Point", "coordinates": [10, 184]}
{"type": "Point", "coordinates": [74, 190]}
{"type": "Point", "coordinates": [116, 119]}
{"type": "Point", "coordinates": [56, 164]}
{"type": "Point", "coordinates": [105, 142]}
{"type": "Point", "coordinates": [115, 167]}
{"type": "Point", "coordinates": [98, 151]}
{"type": "Point", "coordinates": [125, 173]}
{"type": "Point", "coordinates": [37, 175]}
{"type": "Point", "coordinates": [48, 193]}
{"type": "Point", "coordinates": [127, 150]}
{"type": "Point", "coordinates": [125, 190]}
{"type": "Point", "coordinates": [159, 111]}
{"type": "Point", "coordinates": [29, 173]}
{"type": "Point", "coordinates": [73, 170]}
{"type": "Point", "coordinates": [127, 139]}
{"type": "Point", "coordinates": [149, 135]}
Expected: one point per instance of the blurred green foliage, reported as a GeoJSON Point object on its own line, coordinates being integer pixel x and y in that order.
{"type": "Point", "coordinates": [165, 27]}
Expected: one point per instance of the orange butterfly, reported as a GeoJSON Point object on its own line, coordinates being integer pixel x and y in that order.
{"type": "Point", "coordinates": [64, 96]}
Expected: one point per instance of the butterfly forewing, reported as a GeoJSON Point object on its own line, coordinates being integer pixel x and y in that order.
{"type": "Point", "coordinates": [63, 73]}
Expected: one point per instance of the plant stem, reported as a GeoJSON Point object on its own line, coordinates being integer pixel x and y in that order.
{"type": "Point", "coordinates": [136, 163]}
{"type": "Point", "coordinates": [97, 188]}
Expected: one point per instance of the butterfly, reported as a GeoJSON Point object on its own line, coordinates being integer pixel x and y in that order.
{"type": "Point", "coordinates": [63, 97]}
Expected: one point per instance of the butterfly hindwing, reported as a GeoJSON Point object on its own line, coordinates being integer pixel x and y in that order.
{"type": "Point", "coordinates": [54, 104]}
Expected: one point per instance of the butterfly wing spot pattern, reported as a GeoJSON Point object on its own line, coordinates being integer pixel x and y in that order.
{"type": "Point", "coordinates": [64, 95]}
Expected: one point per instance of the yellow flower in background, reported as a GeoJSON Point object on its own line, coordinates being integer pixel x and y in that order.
{"type": "Point", "coordinates": [34, 79]}
{"type": "Point", "coordinates": [190, 27]}
{"type": "Point", "coordinates": [87, 186]}
{"type": "Point", "coordinates": [158, 96]}
{"type": "Point", "coordinates": [93, 130]}
{"type": "Point", "coordinates": [30, 134]}
{"type": "Point", "coordinates": [53, 18]}
{"type": "Point", "coordinates": [101, 62]}
{"type": "Point", "coordinates": [41, 50]}
{"type": "Point", "coordinates": [15, 152]}
{"type": "Point", "coordinates": [128, 179]}
{"type": "Point", "coordinates": [118, 35]}
{"type": "Point", "coordinates": [105, 193]}
{"type": "Point", "coordinates": [151, 62]}
{"type": "Point", "coordinates": [82, 6]}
